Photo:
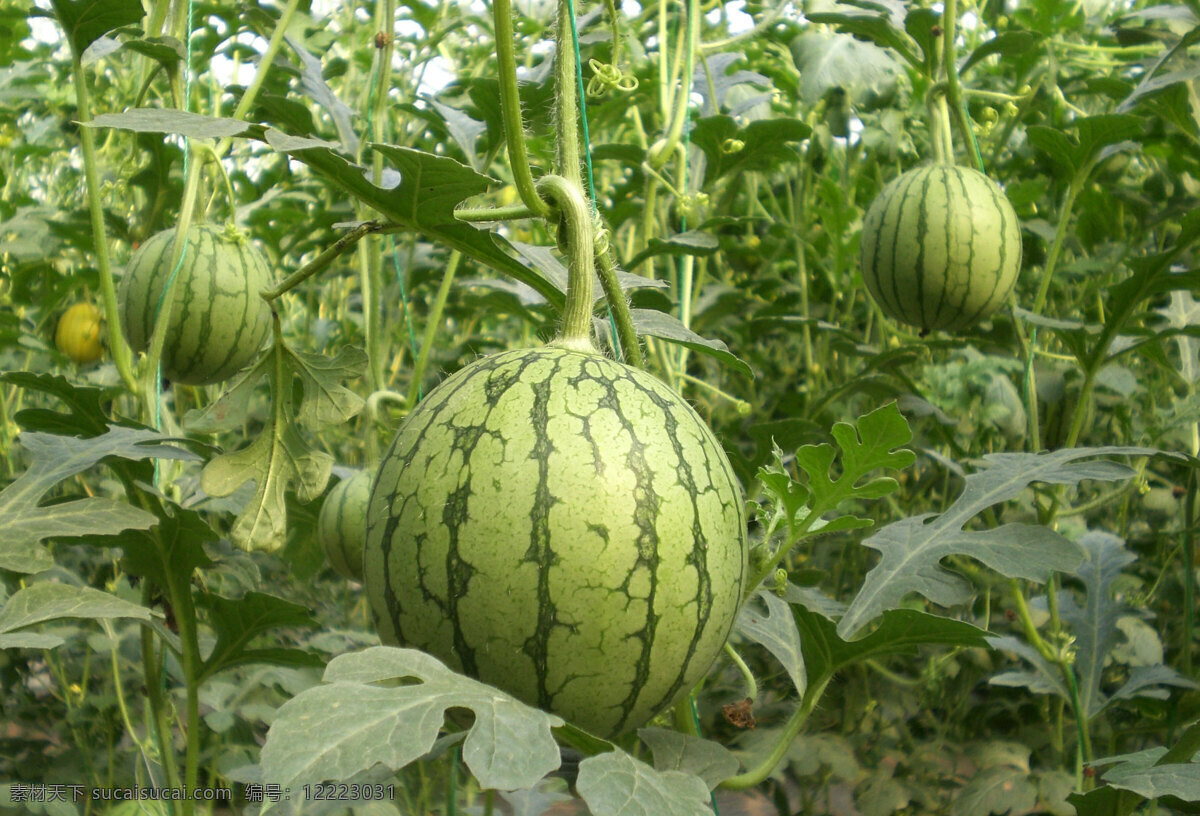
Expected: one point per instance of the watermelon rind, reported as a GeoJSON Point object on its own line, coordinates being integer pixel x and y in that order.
{"type": "Point", "coordinates": [219, 321]}
{"type": "Point", "coordinates": [563, 527]}
{"type": "Point", "coordinates": [940, 248]}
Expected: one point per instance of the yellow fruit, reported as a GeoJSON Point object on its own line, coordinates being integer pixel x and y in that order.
{"type": "Point", "coordinates": [78, 334]}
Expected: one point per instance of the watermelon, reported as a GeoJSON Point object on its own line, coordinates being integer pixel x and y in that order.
{"type": "Point", "coordinates": [78, 334]}
{"type": "Point", "coordinates": [342, 524]}
{"type": "Point", "coordinates": [219, 321]}
{"type": "Point", "coordinates": [563, 527]}
{"type": "Point", "coordinates": [941, 248]}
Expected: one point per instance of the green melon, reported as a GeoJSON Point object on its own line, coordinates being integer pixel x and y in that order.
{"type": "Point", "coordinates": [342, 524]}
{"type": "Point", "coordinates": [563, 527]}
{"type": "Point", "coordinates": [219, 322]}
{"type": "Point", "coordinates": [941, 248]}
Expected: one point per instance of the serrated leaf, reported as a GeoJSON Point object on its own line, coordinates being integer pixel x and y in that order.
{"type": "Point", "coordinates": [326, 401]}
{"type": "Point", "coordinates": [830, 60]}
{"type": "Point", "coordinates": [880, 25]}
{"type": "Point", "coordinates": [1006, 44]}
{"type": "Point", "coordinates": [53, 459]}
{"type": "Point", "coordinates": [463, 129]}
{"type": "Point", "coordinates": [318, 91]}
{"type": "Point", "coordinates": [674, 751]}
{"type": "Point", "coordinates": [232, 408]}
{"type": "Point", "coordinates": [913, 548]}
{"type": "Point", "coordinates": [616, 784]}
{"type": "Point", "coordinates": [237, 621]}
{"type": "Point", "coordinates": [333, 731]}
{"type": "Point", "coordinates": [277, 459]}
{"type": "Point", "coordinates": [876, 441]}
{"type": "Point", "coordinates": [997, 790]}
{"type": "Point", "coordinates": [776, 630]}
{"type": "Point", "coordinates": [47, 601]}
{"type": "Point", "coordinates": [1095, 623]}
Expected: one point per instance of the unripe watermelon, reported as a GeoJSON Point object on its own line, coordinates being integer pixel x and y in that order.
{"type": "Point", "coordinates": [342, 524]}
{"type": "Point", "coordinates": [219, 322]}
{"type": "Point", "coordinates": [563, 527]}
{"type": "Point", "coordinates": [941, 248]}
{"type": "Point", "coordinates": [78, 334]}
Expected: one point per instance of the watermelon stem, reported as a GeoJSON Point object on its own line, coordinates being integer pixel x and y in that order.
{"type": "Point", "coordinates": [575, 219]}
{"type": "Point", "coordinates": [510, 108]}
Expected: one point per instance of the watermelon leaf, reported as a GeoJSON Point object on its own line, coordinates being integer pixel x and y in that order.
{"type": "Point", "coordinates": [326, 401]}
{"type": "Point", "coordinates": [913, 548]}
{"type": "Point", "coordinates": [351, 722]}
{"type": "Point", "coordinates": [55, 458]}
{"type": "Point", "coordinates": [238, 621]}
{"type": "Point", "coordinates": [669, 328]}
{"type": "Point", "coordinates": [232, 408]}
{"type": "Point", "coordinates": [46, 601]}
{"type": "Point", "coordinates": [616, 784]}
{"type": "Point", "coordinates": [693, 242]}
{"type": "Point", "coordinates": [277, 458]}
{"type": "Point", "coordinates": [1094, 626]}
{"type": "Point", "coordinates": [674, 751]}
{"type": "Point", "coordinates": [776, 630]}
{"type": "Point", "coordinates": [86, 21]}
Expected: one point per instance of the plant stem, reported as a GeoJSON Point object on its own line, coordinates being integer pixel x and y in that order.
{"type": "Point", "coordinates": [322, 261]}
{"type": "Point", "coordinates": [108, 290]}
{"type": "Point", "coordinates": [631, 349]}
{"type": "Point", "coordinates": [954, 95]}
{"type": "Point", "coordinates": [575, 218]}
{"type": "Point", "coordinates": [779, 750]}
{"type": "Point", "coordinates": [510, 108]}
{"type": "Point", "coordinates": [566, 98]}
{"type": "Point", "coordinates": [432, 323]}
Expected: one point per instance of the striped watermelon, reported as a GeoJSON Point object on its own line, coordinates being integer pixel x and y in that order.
{"type": "Point", "coordinates": [342, 524]}
{"type": "Point", "coordinates": [219, 322]}
{"type": "Point", "coordinates": [941, 248]}
{"type": "Point", "coordinates": [561, 526]}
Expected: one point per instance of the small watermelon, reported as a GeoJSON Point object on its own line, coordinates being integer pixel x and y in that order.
{"type": "Point", "coordinates": [219, 322]}
{"type": "Point", "coordinates": [342, 524]}
{"type": "Point", "coordinates": [78, 334]}
{"type": "Point", "coordinates": [563, 527]}
{"type": "Point", "coordinates": [941, 248]}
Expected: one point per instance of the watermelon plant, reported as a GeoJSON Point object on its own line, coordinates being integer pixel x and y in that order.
{"type": "Point", "coordinates": [822, 507]}
{"type": "Point", "coordinates": [217, 320]}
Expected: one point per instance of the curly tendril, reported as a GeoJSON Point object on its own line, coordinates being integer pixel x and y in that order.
{"type": "Point", "coordinates": [607, 78]}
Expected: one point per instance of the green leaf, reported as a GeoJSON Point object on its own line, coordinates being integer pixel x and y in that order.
{"type": "Point", "coordinates": [1183, 311]}
{"type": "Point", "coordinates": [53, 459]}
{"type": "Point", "coordinates": [1095, 135]}
{"type": "Point", "coordinates": [869, 445]}
{"type": "Point", "coordinates": [315, 87]}
{"type": "Point", "coordinates": [85, 415]}
{"type": "Point", "coordinates": [326, 401]}
{"type": "Point", "coordinates": [692, 242]}
{"type": "Point", "coordinates": [86, 21]}
{"type": "Point", "coordinates": [877, 24]}
{"type": "Point", "coordinates": [1145, 774]}
{"type": "Point", "coordinates": [997, 790]}
{"type": "Point", "coordinates": [913, 548]}
{"type": "Point", "coordinates": [168, 554]}
{"type": "Point", "coordinates": [669, 328]}
{"type": "Point", "coordinates": [764, 143]}
{"type": "Point", "coordinates": [278, 458]}
{"type": "Point", "coordinates": [616, 784]}
{"type": "Point", "coordinates": [900, 631]}
{"type": "Point", "coordinates": [232, 409]}
{"type": "Point", "coordinates": [674, 751]}
{"type": "Point", "coordinates": [1006, 44]}
{"type": "Point", "coordinates": [45, 601]}
{"type": "Point", "coordinates": [238, 621]}
{"type": "Point", "coordinates": [170, 120]}
{"type": "Point", "coordinates": [776, 630]}
{"type": "Point", "coordinates": [349, 724]}
{"type": "Point", "coordinates": [829, 60]}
